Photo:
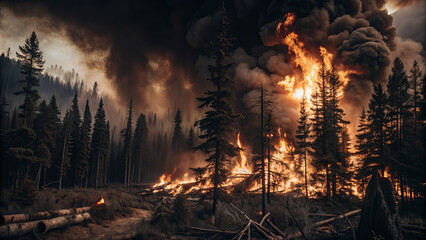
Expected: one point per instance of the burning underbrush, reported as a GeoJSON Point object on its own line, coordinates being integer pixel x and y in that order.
{"type": "Point", "coordinates": [284, 174]}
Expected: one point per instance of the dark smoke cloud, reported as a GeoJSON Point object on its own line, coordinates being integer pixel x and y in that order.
{"type": "Point", "coordinates": [136, 35]}
{"type": "Point", "coordinates": [365, 50]}
{"type": "Point", "coordinates": [159, 51]}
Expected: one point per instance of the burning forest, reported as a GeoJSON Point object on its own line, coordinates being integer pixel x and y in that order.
{"type": "Point", "coordinates": [234, 119]}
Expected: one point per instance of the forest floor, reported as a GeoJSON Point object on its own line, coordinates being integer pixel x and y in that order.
{"type": "Point", "coordinates": [120, 228]}
{"type": "Point", "coordinates": [132, 215]}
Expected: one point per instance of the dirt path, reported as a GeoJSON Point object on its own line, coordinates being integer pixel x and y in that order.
{"type": "Point", "coordinates": [120, 228]}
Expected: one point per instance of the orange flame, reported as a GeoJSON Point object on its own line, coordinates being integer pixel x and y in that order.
{"type": "Point", "coordinates": [284, 162]}
{"type": "Point", "coordinates": [100, 202]}
{"type": "Point", "coordinates": [307, 62]}
{"type": "Point", "coordinates": [242, 167]}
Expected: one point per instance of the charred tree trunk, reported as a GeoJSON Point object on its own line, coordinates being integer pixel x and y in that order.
{"type": "Point", "coordinates": [262, 152]}
{"type": "Point", "coordinates": [139, 169]}
{"type": "Point", "coordinates": [379, 212]}
{"type": "Point", "coordinates": [125, 170]}
{"type": "Point", "coordinates": [216, 177]}
{"type": "Point", "coordinates": [97, 171]}
{"type": "Point", "coordinates": [306, 172]}
{"type": "Point", "coordinates": [38, 176]}
{"type": "Point", "coordinates": [269, 169]}
{"type": "Point", "coordinates": [63, 158]}
{"type": "Point", "coordinates": [327, 172]}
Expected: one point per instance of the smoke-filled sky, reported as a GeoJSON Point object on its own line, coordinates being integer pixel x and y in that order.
{"type": "Point", "coordinates": [159, 51]}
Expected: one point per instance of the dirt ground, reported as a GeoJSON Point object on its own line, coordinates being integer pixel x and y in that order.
{"type": "Point", "coordinates": [120, 228]}
{"type": "Point", "coordinates": [132, 215]}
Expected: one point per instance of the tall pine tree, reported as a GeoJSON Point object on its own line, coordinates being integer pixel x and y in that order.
{"type": "Point", "coordinates": [302, 139]}
{"type": "Point", "coordinates": [140, 147]}
{"type": "Point", "coordinates": [127, 134]}
{"type": "Point", "coordinates": [372, 136]}
{"type": "Point", "coordinates": [97, 144]}
{"type": "Point", "coordinates": [218, 122]}
{"type": "Point", "coordinates": [178, 139]}
{"type": "Point", "coordinates": [397, 89]}
{"type": "Point", "coordinates": [76, 131]}
{"type": "Point", "coordinates": [338, 158]}
{"type": "Point", "coordinates": [66, 147]}
{"type": "Point", "coordinates": [83, 161]}
{"type": "Point", "coordinates": [31, 58]}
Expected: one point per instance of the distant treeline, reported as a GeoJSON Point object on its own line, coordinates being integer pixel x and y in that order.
{"type": "Point", "coordinates": [55, 132]}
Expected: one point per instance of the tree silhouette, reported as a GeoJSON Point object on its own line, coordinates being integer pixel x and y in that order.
{"type": "Point", "coordinates": [31, 58]}
{"type": "Point", "coordinates": [219, 120]}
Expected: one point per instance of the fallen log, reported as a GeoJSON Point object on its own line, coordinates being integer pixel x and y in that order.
{"type": "Point", "coordinates": [207, 230]}
{"type": "Point", "coordinates": [264, 231]}
{"type": "Point", "coordinates": [240, 235]}
{"type": "Point", "coordinates": [264, 218]}
{"type": "Point", "coordinates": [322, 215]}
{"type": "Point", "coordinates": [16, 229]}
{"type": "Point", "coordinates": [414, 228]}
{"type": "Point", "coordinates": [330, 220]}
{"type": "Point", "coordinates": [25, 217]}
{"type": "Point", "coordinates": [50, 224]}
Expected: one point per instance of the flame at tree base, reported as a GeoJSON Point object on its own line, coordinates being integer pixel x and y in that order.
{"type": "Point", "coordinates": [288, 176]}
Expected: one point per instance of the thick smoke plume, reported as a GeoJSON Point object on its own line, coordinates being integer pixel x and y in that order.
{"type": "Point", "coordinates": [159, 51]}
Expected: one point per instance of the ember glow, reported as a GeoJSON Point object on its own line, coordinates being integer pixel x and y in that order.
{"type": "Point", "coordinates": [100, 202]}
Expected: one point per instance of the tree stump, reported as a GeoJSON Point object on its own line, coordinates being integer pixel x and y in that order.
{"type": "Point", "coordinates": [379, 214]}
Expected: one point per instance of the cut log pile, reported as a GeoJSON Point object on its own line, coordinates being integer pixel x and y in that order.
{"type": "Point", "coordinates": [16, 225]}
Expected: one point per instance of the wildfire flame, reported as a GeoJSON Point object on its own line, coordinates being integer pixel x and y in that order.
{"type": "Point", "coordinates": [241, 167]}
{"type": "Point", "coordinates": [284, 161]}
{"type": "Point", "coordinates": [100, 202]}
{"type": "Point", "coordinates": [306, 61]}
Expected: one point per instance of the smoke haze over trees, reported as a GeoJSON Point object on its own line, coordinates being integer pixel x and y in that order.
{"type": "Point", "coordinates": [157, 60]}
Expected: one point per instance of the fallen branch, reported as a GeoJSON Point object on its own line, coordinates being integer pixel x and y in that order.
{"type": "Point", "coordinates": [207, 230]}
{"type": "Point", "coordinates": [15, 218]}
{"type": "Point", "coordinates": [297, 222]}
{"type": "Point", "coordinates": [240, 235]}
{"type": "Point", "coordinates": [330, 220]}
{"type": "Point", "coordinates": [414, 228]}
{"type": "Point", "coordinates": [352, 227]}
{"type": "Point", "coordinates": [275, 228]}
{"type": "Point", "coordinates": [268, 234]}
{"type": "Point", "coordinates": [322, 215]}
{"type": "Point", "coordinates": [264, 217]}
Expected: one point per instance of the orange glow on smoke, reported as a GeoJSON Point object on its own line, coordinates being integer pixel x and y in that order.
{"type": "Point", "coordinates": [284, 161]}
{"type": "Point", "coordinates": [308, 63]}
